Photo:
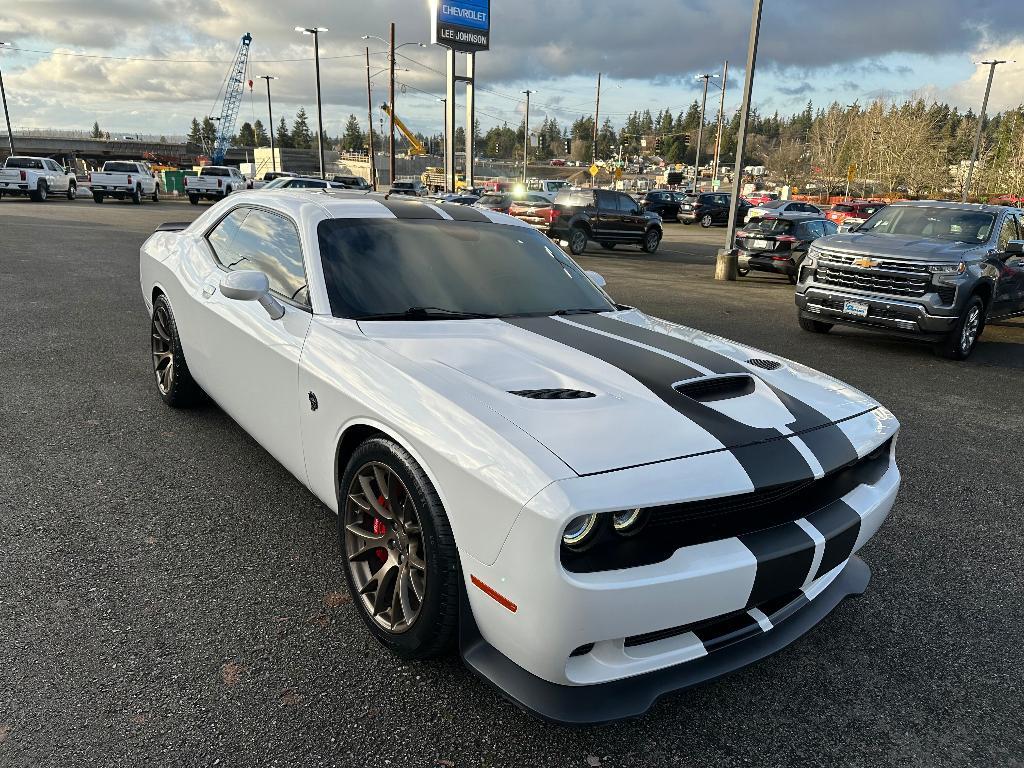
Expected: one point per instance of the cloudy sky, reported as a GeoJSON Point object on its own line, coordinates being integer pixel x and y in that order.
{"type": "Point", "coordinates": [149, 66]}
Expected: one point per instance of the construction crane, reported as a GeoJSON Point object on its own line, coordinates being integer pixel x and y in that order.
{"type": "Point", "coordinates": [415, 147]}
{"type": "Point", "coordinates": [229, 97]}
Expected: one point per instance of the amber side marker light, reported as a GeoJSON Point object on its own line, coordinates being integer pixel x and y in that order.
{"type": "Point", "coordinates": [491, 592]}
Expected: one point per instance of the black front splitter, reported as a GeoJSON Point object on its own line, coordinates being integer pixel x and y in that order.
{"type": "Point", "coordinates": [633, 696]}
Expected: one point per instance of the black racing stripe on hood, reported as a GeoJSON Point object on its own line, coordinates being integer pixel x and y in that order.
{"type": "Point", "coordinates": [464, 213]}
{"type": "Point", "coordinates": [766, 456]}
{"type": "Point", "coordinates": [407, 209]}
{"type": "Point", "coordinates": [829, 444]}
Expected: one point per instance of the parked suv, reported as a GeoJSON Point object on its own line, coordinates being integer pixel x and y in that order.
{"type": "Point", "coordinates": [608, 217]}
{"type": "Point", "coordinates": [934, 270]}
{"type": "Point", "coordinates": [663, 202]}
{"type": "Point", "coordinates": [710, 208]}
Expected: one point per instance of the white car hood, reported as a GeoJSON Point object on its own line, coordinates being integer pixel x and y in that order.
{"type": "Point", "coordinates": [630, 362]}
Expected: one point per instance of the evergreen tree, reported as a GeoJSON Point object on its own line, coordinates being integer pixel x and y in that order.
{"type": "Point", "coordinates": [353, 139]}
{"type": "Point", "coordinates": [195, 133]}
{"type": "Point", "coordinates": [246, 136]}
{"type": "Point", "coordinates": [96, 132]}
{"type": "Point", "coordinates": [302, 137]}
{"type": "Point", "coordinates": [283, 137]}
{"type": "Point", "coordinates": [208, 132]}
{"type": "Point", "coordinates": [260, 134]}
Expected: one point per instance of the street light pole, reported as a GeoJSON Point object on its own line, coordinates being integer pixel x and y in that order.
{"type": "Point", "coordinates": [700, 130]}
{"type": "Point", "coordinates": [444, 104]}
{"type": "Point", "coordinates": [981, 119]}
{"type": "Point", "coordinates": [526, 135]}
{"type": "Point", "coordinates": [721, 123]}
{"type": "Point", "coordinates": [369, 122]}
{"type": "Point", "coordinates": [597, 113]}
{"type": "Point", "coordinates": [7, 116]}
{"type": "Point", "coordinates": [270, 113]}
{"type": "Point", "coordinates": [315, 32]}
{"type": "Point", "coordinates": [727, 270]}
{"type": "Point", "coordinates": [391, 100]}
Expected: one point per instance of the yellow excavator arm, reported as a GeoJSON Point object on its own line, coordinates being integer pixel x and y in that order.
{"type": "Point", "coordinates": [415, 148]}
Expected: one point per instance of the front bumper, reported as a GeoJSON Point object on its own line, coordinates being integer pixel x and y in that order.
{"type": "Point", "coordinates": [884, 312]}
{"type": "Point", "coordinates": [573, 632]}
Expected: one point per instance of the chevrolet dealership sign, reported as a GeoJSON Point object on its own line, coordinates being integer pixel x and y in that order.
{"type": "Point", "coordinates": [462, 25]}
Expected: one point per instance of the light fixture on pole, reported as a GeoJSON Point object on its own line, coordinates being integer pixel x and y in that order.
{"type": "Point", "coordinates": [7, 116]}
{"type": "Point", "coordinates": [270, 113]}
{"type": "Point", "coordinates": [315, 32]}
{"type": "Point", "coordinates": [700, 130]}
{"type": "Point", "coordinates": [981, 121]}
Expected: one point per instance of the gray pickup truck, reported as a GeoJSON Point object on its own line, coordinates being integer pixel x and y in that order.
{"type": "Point", "coordinates": [934, 270]}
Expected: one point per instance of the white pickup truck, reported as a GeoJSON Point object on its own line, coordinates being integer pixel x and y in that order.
{"type": "Point", "coordinates": [213, 183]}
{"type": "Point", "coordinates": [122, 179]}
{"type": "Point", "coordinates": [37, 177]}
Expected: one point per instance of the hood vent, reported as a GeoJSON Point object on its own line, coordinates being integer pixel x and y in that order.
{"type": "Point", "coordinates": [552, 394]}
{"type": "Point", "coordinates": [712, 388]}
{"type": "Point", "coordinates": [768, 365]}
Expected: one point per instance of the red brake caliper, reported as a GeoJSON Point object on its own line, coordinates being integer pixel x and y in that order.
{"type": "Point", "coordinates": [380, 529]}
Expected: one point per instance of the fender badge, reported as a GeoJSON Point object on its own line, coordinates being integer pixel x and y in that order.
{"type": "Point", "coordinates": [313, 404]}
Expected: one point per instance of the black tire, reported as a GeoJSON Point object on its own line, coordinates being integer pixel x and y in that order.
{"type": "Point", "coordinates": [707, 220]}
{"type": "Point", "coordinates": [97, 197]}
{"type": "Point", "coordinates": [194, 199]}
{"type": "Point", "coordinates": [792, 279]}
{"type": "Point", "coordinates": [961, 341]}
{"type": "Point", "coordinates": [577, 240]}
{"type": "Point", "coordinates": [434, 630]}
{"type": "Point", "coordinates": [179, 389]}
{"type": "Point", "coordinates": [742, 272]}
{"type": "Point", "coordinates": [814, 326]}
{"type": "Point", "coordinates": [156, 194]}
{"type": "Point", "coordinates": [40, 194]}
{"type": "Point", "coordinates": [651, 241]}
{"type": "Point", "coordinates": [137, 195]}
{"type": "Point", "coordinates": [608, 246]}
{"type": "Point", "coordinates": [72, 191]}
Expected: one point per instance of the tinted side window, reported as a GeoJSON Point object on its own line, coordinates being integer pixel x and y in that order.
{"type": "Point", "coordinates": [222, 237]}
{"type": "Point", "coordinates": [606, 201]}
{"type": "Point", "coordinates": [269, 243]}
{"type": "Point", "coordinates": [1008, 233]}
{"type": "Point", "coordinates": [627, 205]}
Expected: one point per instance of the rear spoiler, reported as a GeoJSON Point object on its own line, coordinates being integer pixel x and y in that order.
{"type": "Point", "coordinates": [172, 226]}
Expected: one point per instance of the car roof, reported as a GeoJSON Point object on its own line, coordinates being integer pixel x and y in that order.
{"type": "Point", "coordinates": [952, 204]}
{"type": "Point", "coordinates": [341, 203]}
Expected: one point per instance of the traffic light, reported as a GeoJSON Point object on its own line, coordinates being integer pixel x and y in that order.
{"type": "Point", "coordinates": [568, 146]}
{"type": "Point", "coordinates": [686, 139]}
{"type": "Point", "coordinates": [657, 143]}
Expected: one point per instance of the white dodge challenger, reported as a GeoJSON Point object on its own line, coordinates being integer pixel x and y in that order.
{"type": "Point", "coordinates": [596, 506]}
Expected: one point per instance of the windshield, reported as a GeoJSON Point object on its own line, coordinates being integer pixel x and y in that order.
{"type": "Point", "coordinates": [31, 163]}
{"type": "Point", "coordinates": [280, 181]}
{"type": "Point", "coordinates": [212, 170]}
{"type": "Point", "coordinates": [958, 225]}
{"type": "Point", "coordinates": [120, 167]}
{"type": "Point", "coordinates": [382, 267]}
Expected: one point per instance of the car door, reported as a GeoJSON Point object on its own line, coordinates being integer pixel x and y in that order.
{"type": "Point", "coordinates": [253, 360]}
{"type": "Point", "coordinates": [609, 220]}
{"type": "Point", "coordinates": [632, 219]}
{"type": "Point", "coordinates": [1009, 290]}
{"type": "Point", "coordinates": [54, 176]}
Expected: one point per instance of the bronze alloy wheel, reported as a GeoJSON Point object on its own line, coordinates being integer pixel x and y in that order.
{"type": "Point", "coordinates": [163, 350]}
{"type": "Point", "coordinates": [384, 542]}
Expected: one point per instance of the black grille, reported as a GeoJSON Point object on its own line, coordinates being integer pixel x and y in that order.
{"type": "Point", "coordinates": [768, 365]}
{"type": "Point", "coordinates": [672, 526]}
{"type": "Point", "coordinates": [947, 293]}
{"type": "Point", "coordinates": [891, 284]}
{"type": "Point", "coordinates": [712, 388]}
{"type": "Point", "coordinates": [552, 394]}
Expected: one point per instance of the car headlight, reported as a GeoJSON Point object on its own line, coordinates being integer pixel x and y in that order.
{"type": "Point", "coordinates": [811, 259]}
{"type": "Point", "coordinates": [580, 531]}
{"type": "Point", "coordinates": [948, 269]}
{"type": "Point", "coordinates": [628, 521]}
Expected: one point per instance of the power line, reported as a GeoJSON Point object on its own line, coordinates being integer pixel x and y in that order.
{"type": "Point", "coordinates": [183, 61]}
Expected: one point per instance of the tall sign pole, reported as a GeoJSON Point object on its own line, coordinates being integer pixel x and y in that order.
{"type": "Point", "coordinates": [460, 26]}
{"type": "Point", "coordinates": [726, 268]}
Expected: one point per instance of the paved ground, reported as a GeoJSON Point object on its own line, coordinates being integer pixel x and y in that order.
{"type": "Point", "coordinates": [169, 595]}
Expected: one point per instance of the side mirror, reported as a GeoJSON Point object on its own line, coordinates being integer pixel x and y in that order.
{"type": "Point", "coordinates": [1015, 247]}
{"type": "Point", "coordinates": [251, 285]}
{"type": "Point", "coordinates": [595, 278]}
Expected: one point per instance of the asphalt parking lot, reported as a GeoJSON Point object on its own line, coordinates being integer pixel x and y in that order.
{"type": "Point", "coordinates": [170, 595]}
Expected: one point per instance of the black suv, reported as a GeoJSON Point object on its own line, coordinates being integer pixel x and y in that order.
{"type": "Point", "coordinates": [352, 182]}
{"type": "Point", "coordinates": [710, 208]}
{"type": "Point", "coordinates": [935, 270]}
{"type": "Point", "coordinates": [663, 202]}
{"type": "Point", "coordinates": [608, 217]}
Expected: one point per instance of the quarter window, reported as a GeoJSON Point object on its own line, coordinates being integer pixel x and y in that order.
{"type": "Point", "coordinates": [1008, 233]}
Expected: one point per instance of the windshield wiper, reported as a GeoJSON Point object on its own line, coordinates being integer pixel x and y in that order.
{"type": "Point", "coordinates": [582, 311]}
{"type": "Point", "coordinates": [429, 313]}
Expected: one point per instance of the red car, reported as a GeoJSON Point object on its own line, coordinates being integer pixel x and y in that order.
{"type": "Point", "coordinates": [558, 163]}
{"type": "Point", "coordinates": [757, 198]}
{"type": "Point", "coordinates": [850, 213]}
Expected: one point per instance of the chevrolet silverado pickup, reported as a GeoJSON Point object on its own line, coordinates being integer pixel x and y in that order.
{"type": "Point", "coordinates": [125, 179]}
{"type": "Point", "coordinates": [214, 182]}
{"type": "Point", "coordinates": [36, 177]}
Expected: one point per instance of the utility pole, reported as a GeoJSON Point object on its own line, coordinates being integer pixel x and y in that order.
{"type": "Point", "coordinates": [721, 123]}
{"type": "Point", "coordinates": [391, 100]}
{"type": "Point", "coordinates": [7, 116]}
{"type": "Point", "coordinates": [270, 113]}
{"type": "Point", "coordinates": [981, 120]}
{"type": "Point", "coordinates": [597, 113]}
{"type": "Point", "coordinates": [369, 122]}
{"type": "Point", "coordinates": [700, 131]}
{"type": "Point", "coordinates": [444, 150]}
{"type": "Point", "coordinates": [315, 32]}
{"type": "Point", "coordinates": [726, 267]}
{"type": "Point", "coordinates": [526, 135]}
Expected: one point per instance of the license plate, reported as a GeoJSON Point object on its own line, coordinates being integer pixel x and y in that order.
{"type": "Point", "coordinates": [855, 308]}
{"type": "Point", "coordinates": [760, 244]}
{"type": "Point", "coordinates": [98, 186]}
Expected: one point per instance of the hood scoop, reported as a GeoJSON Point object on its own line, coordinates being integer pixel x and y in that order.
{"type": "Point", "coordinates": [761, 362]}
{"type": "Point", "coordinates": [552, 394]}
{"type": "Point", "coordinates": [712, 388]}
